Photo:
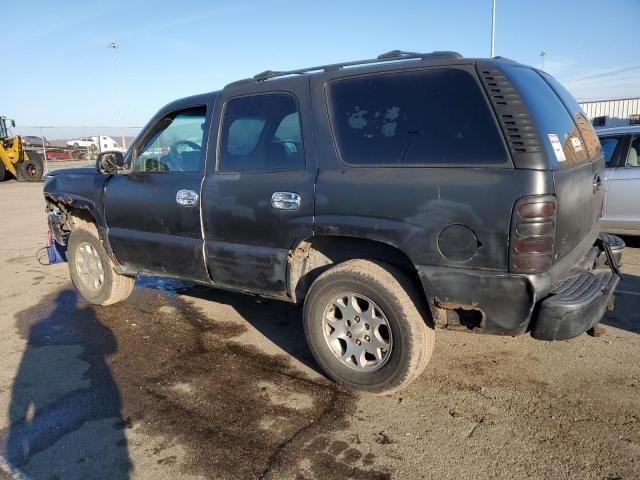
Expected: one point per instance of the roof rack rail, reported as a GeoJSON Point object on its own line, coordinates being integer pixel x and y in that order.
{"type": "Point", "coordinates": [392, 56]}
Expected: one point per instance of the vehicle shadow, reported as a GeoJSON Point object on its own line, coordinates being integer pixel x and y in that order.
{"type": "Point", "coordinates": [278, 321]}
{"type": "Point", "coordinates": [65, 411]}
{"type": "Point", "coordinates": [626, 315]}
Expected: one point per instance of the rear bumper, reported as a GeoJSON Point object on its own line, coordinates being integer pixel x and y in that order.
{"type": "Point", "coordinates": [579, 302]}
{"type": "Point", "coordinates": [512, 304]}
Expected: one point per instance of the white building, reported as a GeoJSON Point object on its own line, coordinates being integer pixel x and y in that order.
{"type": "Point", "coordinates": [617, 112]}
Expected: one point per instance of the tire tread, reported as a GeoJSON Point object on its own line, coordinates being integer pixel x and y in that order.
{"type": "Point", "coordinates": [121, 285]}
{"type": "Point", "coordinates": [413, 309]}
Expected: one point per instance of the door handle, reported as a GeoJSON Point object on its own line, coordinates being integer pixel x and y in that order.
{"type": "Point", "coordinates": [597, 183]}
{"type": "Point", "coordinates": [285, 201]}
{"type": "Point", "coordinates": [186, 198]}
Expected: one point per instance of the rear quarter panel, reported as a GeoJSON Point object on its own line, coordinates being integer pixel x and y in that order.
{"type": "Point", "coordinates": [411, 207]}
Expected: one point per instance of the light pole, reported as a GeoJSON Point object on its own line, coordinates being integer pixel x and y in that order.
{"type": "Point", "coordinates": [542, 55]}
{"type": "Point", "coordinates": [113, 46]}
{"type": "Point", "coordinates": [493, 29]}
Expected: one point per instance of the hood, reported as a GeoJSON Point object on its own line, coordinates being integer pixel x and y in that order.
{"type": "Point", "coordinates": [72, 171]}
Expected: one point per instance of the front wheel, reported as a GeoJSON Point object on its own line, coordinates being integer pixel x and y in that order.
{"type": "Point", "coordinates": [92, 271]}
{"type": "Point", "coordinates": [364, 326]}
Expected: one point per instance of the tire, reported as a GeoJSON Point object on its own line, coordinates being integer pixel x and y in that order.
{"type": "Point", "coordinates": [31, 170]}
{"type": "Point", "coordinates": [3, 172]}
{"type": "Point", "coordinates": [379, 288]}
{"type": "Point", "coordinates": [111, 287]}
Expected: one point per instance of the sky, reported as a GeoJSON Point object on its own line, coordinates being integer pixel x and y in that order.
{"type": "Point", "coordinates": [58, 70]}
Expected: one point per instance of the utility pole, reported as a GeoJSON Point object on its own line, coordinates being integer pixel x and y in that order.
{"type": "Point", "coordinates": [113, 46]}
{"type": "Point", "coordinates": [493, 29]}
{"type": "Point", "coordinates": [542, 55]}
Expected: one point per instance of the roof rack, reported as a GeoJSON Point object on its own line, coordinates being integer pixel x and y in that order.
{"type": "Point", "coordinates": [392, 56]}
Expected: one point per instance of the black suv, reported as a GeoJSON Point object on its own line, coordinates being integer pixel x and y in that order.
{"type": "Point", "coordinates": [389, 196]}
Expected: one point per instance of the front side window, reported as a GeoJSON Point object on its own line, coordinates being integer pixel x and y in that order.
{"type": "Point", "coordinates": [609, 145]}
{"type": "Point", "coordinates": [174, 144]}
{"type": "Point", "coordinates": [428, 117]}
{"type": "Point", "coordinates": [261, 133]}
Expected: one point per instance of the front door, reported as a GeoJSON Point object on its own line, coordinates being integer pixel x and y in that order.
{"type": "Point", "coordinates": [258, 198]}
{"type": "Point", "coordinates": [153, 210]}
{"type": "Point", "coordinates": [623, 191]}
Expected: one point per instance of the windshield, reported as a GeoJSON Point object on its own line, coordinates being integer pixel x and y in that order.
{"type": "Point", "coordinates": [3, 128]}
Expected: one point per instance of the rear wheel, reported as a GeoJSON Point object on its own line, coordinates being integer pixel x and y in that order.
{"type": "Point", "coordinates": [364, 326]}
{"type": "Point", "coordinates": [31, 169]}
{"type": "Point", "coordinates": [92, 271]}
{"type": "Point", "coordinates": [3, 172]}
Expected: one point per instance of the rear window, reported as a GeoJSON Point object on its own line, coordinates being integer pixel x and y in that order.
{"type": "Point", "coordinates": [565, 145]}
{"type": "Point", "coordinates": [427, 117]}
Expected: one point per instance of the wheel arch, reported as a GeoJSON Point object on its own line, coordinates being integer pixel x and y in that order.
{"type": "Point", "coordinates": [67, 212]}
{"type": "Point", "coordinates": [313, 255]}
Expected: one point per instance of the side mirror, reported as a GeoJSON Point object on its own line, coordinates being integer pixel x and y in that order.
{"type": "Point", "coordinates": [13, 124]}
{"type": "Point", "coordinates": [110, 162]}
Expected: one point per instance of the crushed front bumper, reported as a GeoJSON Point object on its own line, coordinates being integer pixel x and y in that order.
{"type": "Point", "coordinates": [578, 302]}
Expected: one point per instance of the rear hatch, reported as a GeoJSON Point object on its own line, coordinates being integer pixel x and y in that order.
{"type": "Point", "coordinates": [575, 158]}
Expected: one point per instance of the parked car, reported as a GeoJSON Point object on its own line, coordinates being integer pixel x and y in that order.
{"type": "Point", "coordinates": [621, 148]}
{"type": "Point", "coordinates": [100, 143]}
{"type": "Point", "coordinates": [401, 194]}
{"type": "Point", "coordinates": [33, 141]}
{"type": "Point", "coordinates": [83, 142]}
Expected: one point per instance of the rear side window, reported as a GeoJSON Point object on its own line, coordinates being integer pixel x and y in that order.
{"type": "Point", "coordinates": [428, 117]}
{"type": "Point", "coordinates": [564, 143]}
{"type": "Point", "coordinates": [261, 133]}
{"type": "Point", "coordinates": [585, 127]}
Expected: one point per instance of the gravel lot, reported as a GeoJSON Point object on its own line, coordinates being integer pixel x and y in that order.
{"type": "Point", "coordinates": [184, 382]}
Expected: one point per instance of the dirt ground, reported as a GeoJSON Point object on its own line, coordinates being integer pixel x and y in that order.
{"type": "Point", "coordinates": [184, 382]}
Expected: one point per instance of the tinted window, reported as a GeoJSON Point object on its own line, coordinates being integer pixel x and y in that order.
{"type": "Point", "coordinates": [261, 132]}
{"type": "Point", "coordinates": [554, 121]}
{"type": "Point", "coordinates": [599, 121]}
{"type": "Point", "coordinates": [585, 128]}
{"type": "Point", "coordinates": [424, 117]}
{"type": "Point", "coordinates": [609, 145]}
{"type": "Point", "coordinates": [244, 134]}
{"type": "Point", "coordinates": [174, 144]}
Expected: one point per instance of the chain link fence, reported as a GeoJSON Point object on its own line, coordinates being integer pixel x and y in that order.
{"type": "Point", "coordinates": [64, 146]}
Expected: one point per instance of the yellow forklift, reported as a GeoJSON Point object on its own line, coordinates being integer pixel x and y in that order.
{"type": "Point", "coordinates": [26, 166]}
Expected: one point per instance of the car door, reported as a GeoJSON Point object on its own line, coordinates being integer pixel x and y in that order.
{"type": "Point", "coordinates": [612, 146]}
{"type": "Point", "coordinates": [622, 214]}
{"type": "Point", "coordinates": [258, 197]}
{"type": "Point", "coordinates": [152, 210]}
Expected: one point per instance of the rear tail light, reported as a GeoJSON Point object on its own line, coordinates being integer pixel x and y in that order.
{"type": "Point", "coordinates": [533, 234]}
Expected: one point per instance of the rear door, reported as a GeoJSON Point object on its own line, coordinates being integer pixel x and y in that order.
{"type": "Point", "coordinates": [623, 195]}
{"type": "Point", "coordinates": [259, 194]}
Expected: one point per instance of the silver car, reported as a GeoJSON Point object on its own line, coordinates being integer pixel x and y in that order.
{"type": "Point", "coordinates": [621, 147]}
